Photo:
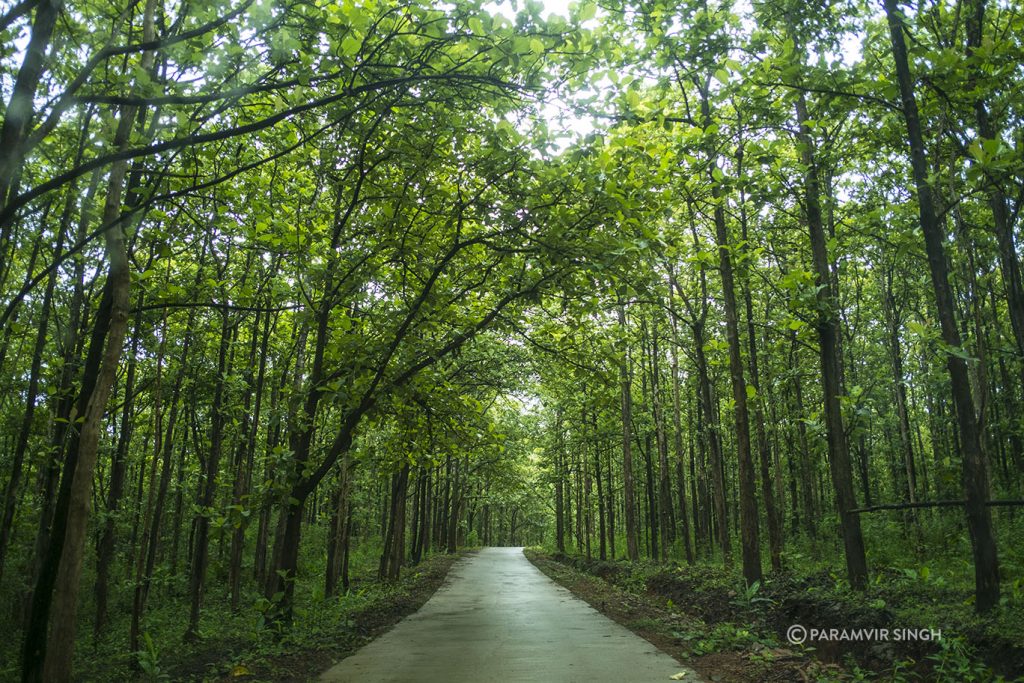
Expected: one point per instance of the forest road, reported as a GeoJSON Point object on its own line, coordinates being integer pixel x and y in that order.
{"type": "Point", "coordinates": [498, 618]}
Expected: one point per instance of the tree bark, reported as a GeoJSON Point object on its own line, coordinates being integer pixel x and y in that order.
{"type": "Point", "coordinates": [208, 488]}
{"type": "Point", "coordinates": [975, 465]}
{"type": "Point", "coordinates": [393, 556]}
{"type": "Point", "coordinates": [827, 325]}
{"type": "Point", "coordinates": [559, 485]}
{"type": "Point", "coordinates": [19, 111]}
{"type": "Point", "coordinates": [629, 501]}
{"type": "Point", "coordinates": [749, 533]}
{"type": "Point", "coordinates": [105, 547]}
{"type": "Point", "coordinates": [48, 656]}
{"type": "Point", "coordinates": [664, 481]}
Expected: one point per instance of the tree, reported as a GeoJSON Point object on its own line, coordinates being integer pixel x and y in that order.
{"type": "Point", "coordinates": [975, 465]}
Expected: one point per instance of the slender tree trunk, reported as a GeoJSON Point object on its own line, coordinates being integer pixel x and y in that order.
{"type": "Point", "coordinates": [828, 339]}
{"type": "Point", "coordinates": [393, 556]}
{"type": "Point", "coordinates": [105, 547]}
{"type": "Point", "coordinates": [146, 562]}
{"type": "Point", "coordinates": [807, 466]}
{"type": "Point", "coordinates": [611, 508]}
{"type": "Point", "coordinates": [896, 359]}
{"type": "Point", "coordinates": [601, 503]}
{"type": "Point", "coordinates": [678, 429]}
{"type": "Point", "coordinates": [588, 484]}
{"type": "Point", "coordinates": [208, 487]}
{"type": "Point", "coordinates": [260, 556]}
{"type": "Point", "coordinates": [633, 551]}
{"type": "Point", "coordinates": [19, 112]}
{"type": "Point", "coordinates": [749, 534]}
{"type": "Point", "coordinates": [559, 484]}
{"type": "Point", "coordinates": [1009, 261]}
{"type": "Point", "coordinates": [417, 497]}
{"type": "Point", "coordinates": [664, 481]}
{"type": "Point", "coordinates": [455, 513]}
{"type": "Point", "coordinates": [975, 465]}
{"type": "Point", "coordinates": [772, 509]}
{"type": "Point", "coordinates": [244, 475]}
{"type": "Point", "coordinates": [651, 496]}
{"type": "Point", "coordinates": [49, 638]}
{"type": "Point", "coordinates": [21, 444]}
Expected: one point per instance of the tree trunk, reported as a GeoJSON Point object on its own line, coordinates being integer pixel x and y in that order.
{"type": "Point", "coordinates": [893, 324]}
{"type": "Point", "coordinates": [632, 549]}
{"type": "Point", "coordinates": [772, 512]}
{"type": "Point", "coordinates": [146, 562]}
{"type": "Point", "coordinates": [393, 555]}
{"type": "Point", "coordinates": [243, 475]}
{"type": "Point", "coordinates": [47, 656]}
{"type": "Point", "coordinates": [21, 444]}
{"type": "Point", "coordinates": [749, 534]}
{"type": "Point", "coordinates": [827, 325]}
{"type": "Point", "coordinates": [678, 430]}
{"type": "Point", "coordinates": [559, 485]}
{"type": "Point", "coordinates": [975, 466]}
{"type": "Point", "coordinates": [602, 551]}
{"type": "Point", "coordinates": [105, 547]}
{"type": "Point", "coordinates": [208, 488]}
{"type": "Point", "coordinates": [19, 111]}
{"type": "Point", "coordinates": [664, 482]}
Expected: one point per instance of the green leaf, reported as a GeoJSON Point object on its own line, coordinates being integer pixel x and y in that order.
{"type": "Point", "coordinates": [350, 45]}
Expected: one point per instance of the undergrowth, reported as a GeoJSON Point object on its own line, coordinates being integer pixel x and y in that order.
{"type": "Point", "coordinates": [921, 578]}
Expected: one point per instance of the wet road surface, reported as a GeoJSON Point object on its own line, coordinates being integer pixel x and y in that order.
{"type": "Point", "coordinates": [498, 618]}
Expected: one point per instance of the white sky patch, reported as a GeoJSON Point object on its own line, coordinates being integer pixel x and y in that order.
{"type": "Point", "coordinates": [508, 8]}
{"type": "Point", "coordinates": [563, 121]}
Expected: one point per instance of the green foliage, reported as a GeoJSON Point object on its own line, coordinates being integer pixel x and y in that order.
{"type": "Point", "coordinates": [723, 636]}
{"type": "Point", "coordinates": [376, 237]}
{"type": "Point", "coordinates": [954, 662]}
{"type": "Point", "coordinates": [149, 661]}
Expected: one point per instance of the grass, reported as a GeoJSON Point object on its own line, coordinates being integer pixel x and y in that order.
{"type": "Point", "coordinates": [920, 578]}
{"type": "Point", "coordinates": [236, 645]}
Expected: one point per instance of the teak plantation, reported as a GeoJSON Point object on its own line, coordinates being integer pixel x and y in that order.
{"type": "Point", "coordinates": [298, 296]}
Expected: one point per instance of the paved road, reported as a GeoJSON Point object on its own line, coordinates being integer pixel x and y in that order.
{"type": "Point", "coordinates": [498, 618]}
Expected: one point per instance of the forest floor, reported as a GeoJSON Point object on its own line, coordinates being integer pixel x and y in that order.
{"type": "Point", "coordinates": [701, 616]}
{"type": "Point", "coordinates": [369, 610]}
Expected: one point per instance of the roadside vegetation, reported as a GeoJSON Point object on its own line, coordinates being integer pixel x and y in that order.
{"type": "Point", "coordinates": [707, 618]}
{"type": "Point", "coordinates": [298, 296]}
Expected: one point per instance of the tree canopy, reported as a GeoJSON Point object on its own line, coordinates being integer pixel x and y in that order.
{"type": "Point", "coordinates": [288, 283]}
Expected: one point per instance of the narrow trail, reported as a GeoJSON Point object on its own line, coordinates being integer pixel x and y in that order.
{"type": "Point", "coordinates": [498, 618]}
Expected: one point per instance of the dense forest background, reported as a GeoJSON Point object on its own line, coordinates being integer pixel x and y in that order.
{"type": "Point", "coordinates": [297, 291]}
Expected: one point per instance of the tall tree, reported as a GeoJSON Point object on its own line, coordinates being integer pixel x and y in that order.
{"type": "Point", "coordinates": [975, 463]}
